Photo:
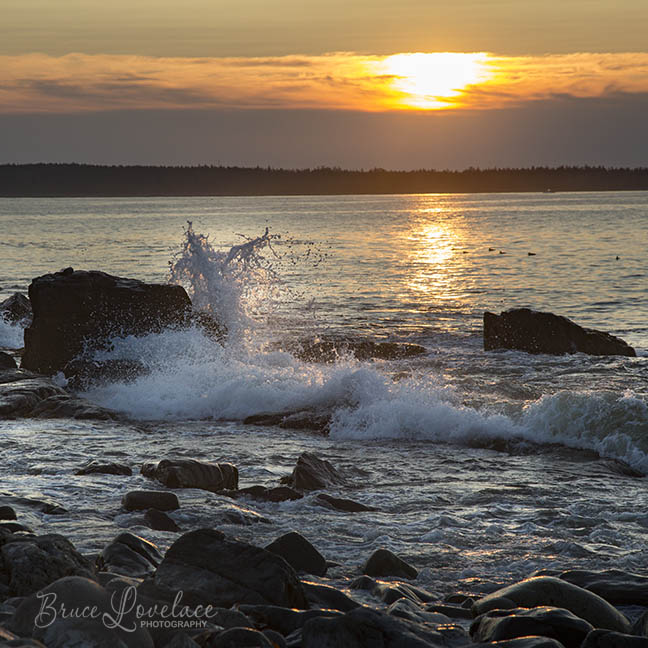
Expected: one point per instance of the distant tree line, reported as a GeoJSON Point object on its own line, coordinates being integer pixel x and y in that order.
{"type": "Point", "coordinates": [94, 180]}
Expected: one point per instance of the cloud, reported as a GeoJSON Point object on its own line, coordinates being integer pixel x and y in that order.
{"type": "Point", "coordinates": [38, 83]}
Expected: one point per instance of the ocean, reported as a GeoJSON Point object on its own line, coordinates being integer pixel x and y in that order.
{"type": "Point", "coordinates": [483, 467]}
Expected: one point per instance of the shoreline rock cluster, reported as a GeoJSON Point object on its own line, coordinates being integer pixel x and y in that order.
{"type": "Point", "coordinates": [210, 589]}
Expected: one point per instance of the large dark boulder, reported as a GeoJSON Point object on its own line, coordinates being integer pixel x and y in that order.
{"type": "Point", "coordinates": [129, 555]}
{"type": "Point", "coordinates": [551, 591]}
{"type": "Point", "coordinates": [524, 329]}
{"type": "Point", "coordinates": [189, 473]}
{"type": "Point", "coordinates": [212, 569]}
{"type": "Point", "coordinates": [74, 309]}
{"type": "Point", "coordinates": [615, 586]}
{"type": "Point", "coordinates": [312, 473]}
{"type": "Point", "coordinates": [29, 563]}
{"type": "Point", "coordinates": [383, 562]}
{"type": "Point", "coordinates": [299, 553]}
{"type": "Point", "coordinates": [16, 308]}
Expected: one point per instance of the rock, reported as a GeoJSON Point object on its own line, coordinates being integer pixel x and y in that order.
{"type": "Point", "coordinates": [367, 628]}
{"type": "Point", "coordinates": [129, 555]}
{"type": "Point", "coordinates": [21, 391]}
{"type": "Point", "coordinates": [74, 309]}
{"type": "Point", "coordinates": [452, 611]}
{"type": "Point", "coordinates": [407, 609]}
{"type": "Point", "coordinates": [535, 332]}
{"type": "Point", "coordinates": [551, 591]}
{"type": "Point", "coordinates": [330, 349]}
{"type": "Point", "coordinates": [160, 521]}
{"type": "Point", "coordinates": [615, 586]}
{"type": "Point", "coordinates": [609, 639]}
{"type": "Point", "coordinates": [7, 361]}
{"type": "Point", "coordinates": [30, 563]}
{"type": "Point", "coordinates": [640, 626]}
{"type": "Point", "coordinates": [211, 569]}
{"type": "Point", "coordinates": [189, 473]}
{"type": "Point", "coordinates": [14, 527]}
{"type": "Point", "coordinates": [7, 513]}
{"type": "Point", "coordinates": [181, 640]}
{"type": "Point", "coordinates": [140, 500]}
{"type": "Point", "coordinates": [276, 494]}
{"type": "Point", "coordinates": [10, 639]}
{"type": "Point", "coordinates": [83, 373]}
{"type": "Point", "coordinates": [16, 309]}
{"type": "Point", "coordinates": [383, 562]}
{"type": "Point", "coordinates": [283, 620]}
{"type": "Point", "coordinates": [555, 623]}
{"type": "Point", "coordinates": [41, 616]}
{"type": "Point", "coordinates": [110, 468]}
{"type": "Point", "coordinates": [66, 406]}
{"type": "Point", "coordinates": [299, 553]}
{"type": "Point", "coordinates": [328, 598]}
{"type": "Point", "coordinates": [392, 592]}
{"type": "Point", "coordinates": [237, 638]}
{"type": "Point", "coordinates": [293, 420]}
{"type": "Point", "coordinates": [339, 504]}
{"type": "Point", "coordinates": [525, 642]}
{"type": "Point", "coordinates": [312, 473]}
{"type": "Point", "coordinates": [49, 508]}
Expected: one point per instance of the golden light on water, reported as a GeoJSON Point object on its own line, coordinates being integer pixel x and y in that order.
{"type": "Point", "coordinates": [428, 81]}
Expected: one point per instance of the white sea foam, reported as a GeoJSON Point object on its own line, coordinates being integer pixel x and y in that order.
{"type": "Point", "coordinates": [11, 335]}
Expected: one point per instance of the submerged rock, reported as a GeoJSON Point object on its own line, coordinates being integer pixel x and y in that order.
{"type": "Point", "coordinates": [293, 420]}
{"type": "Point", "coordinates": [77, 310]}
{"type": "Point", "coordinates": [160, 521]}
{"type": "Point", "coordinates": [312, 473]}
{"type": "Point", "coordinates": [341, 504]}
{"type": "Point", "coordinates": [276, 494]}
{"type": "Point", "coordinates": [16, 309]}
{"type": "Point", "coordinates": [189, 473]}
{"type": "Point", "coordinates": [110, 468]}
{"type": "Point", "coordinates": [535, 332]}
{"type": "Point", "coordinates": [551, 591]}
{"type": "Point", "coordinates": [330, 349]}
{"type": "Point", "coordinates": [212, 569]}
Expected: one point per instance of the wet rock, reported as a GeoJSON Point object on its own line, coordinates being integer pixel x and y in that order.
{"type": "Point", "coordinates": [181, 640]}
{"type": "Point", "coordinates": [555, 623]}
{"type": "Point", "coordinates": [299, 553]}
{"type": "Point", "coordinates": [237, 638]}
{"type": "Point", "coordinates": [142, 499]}
{"type": "Point", "coordinates": [340, 504]}
{"type": "Point", "coordinates": [7, 513]}
{"type": "Point", "coordinates": [14, 527]}
{"type": "Point", "coordinates": [189, 473]}
{"type": "Point", "coordinates": [551, 591]}
{"type": "Point", "coordinates": [129, 555]}
{"type": "Point", "coordinates": [389, 592]}
{"type": "Point", "coordinates": [7, 361]}
{"type": "Point", "coordinates": [383, 562]}
{"type": "Point", "coordinates": [367, 628]}
{"type": "Point", "coordinates": [328, 598]}
{"type": "Point", "coordinates": [525, 642]}
{"type": "Point", "coordinates": [160, 521]}
{"type": "Point", "coordinates": [74, 310]}
{"type": "Point", "coordinates": [50, 508]}
{"type": "Point", "coordinates": [30, 563]}
{"type": "Point", "coordinates": [407, 609]}
{"type": "Point", "coordinates": [10, 639]}
{"type": "Point", "coordinates": [535, 332]}
{"type": "Point", "coordinates": [452, 611]}
{"type": "Point", "coordinates": [84, 373]}
{"type": "Point", "coordinates": [276, 494]}
{"type": "Point", "coordinates": [615, 586]}
{"type": "Point", "coordinates": [16, 309]}
{"type": "Point", "coordinates": [283, 620]}
{"type": "Point", "coordinates": [294, 420]}
{"type": "Point", "coordinates": [110, 468]}
{"type": "Point", "coordinates": [640, 626]}
{"type": "Point", "coordinates": [331, 349]}
{"type": "Point", "coordinates": [312, 473]}
{"type": "Point", "coordinates": [21, 391]}
{"type": "Point", "coordinates": [66, 406]}
{"type": "Point", "coordinates": [92, 601]}
{"type": "Point", "coordinates": [212, 569]}
{"type": "Point", "coordinates": [609, 639]}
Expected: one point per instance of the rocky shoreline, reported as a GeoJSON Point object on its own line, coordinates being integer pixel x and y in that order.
{"type": "Point", "coordinates": [214, 590]}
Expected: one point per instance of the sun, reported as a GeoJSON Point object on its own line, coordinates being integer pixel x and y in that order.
{"type": "Point", "coordinates": [427, 81]}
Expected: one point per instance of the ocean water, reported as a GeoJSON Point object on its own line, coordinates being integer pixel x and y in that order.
{"type": "Point", "coordinates": [483, 466]}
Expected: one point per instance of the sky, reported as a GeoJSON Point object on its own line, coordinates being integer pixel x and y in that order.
{"type": "Point", "coordinates": [356, 83]}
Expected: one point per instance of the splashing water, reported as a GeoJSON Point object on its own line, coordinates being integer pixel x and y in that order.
{"type": "Point", "coordinates": [231, 286]}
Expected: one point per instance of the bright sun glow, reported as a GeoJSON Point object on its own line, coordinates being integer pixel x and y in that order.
{"type": "Point", "coordinates": [429, 81]}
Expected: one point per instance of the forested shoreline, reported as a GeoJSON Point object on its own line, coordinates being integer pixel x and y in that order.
{"type": "Point", "coordinates": [67, 180]}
